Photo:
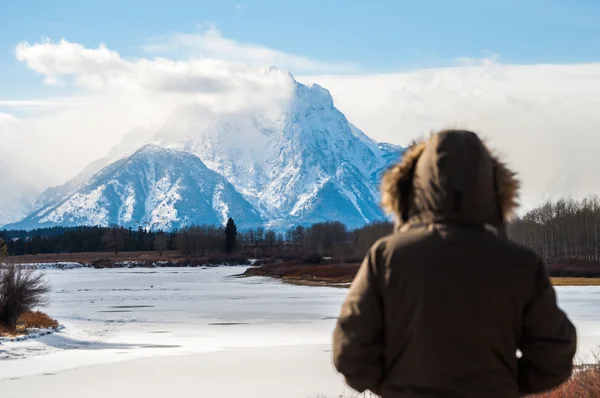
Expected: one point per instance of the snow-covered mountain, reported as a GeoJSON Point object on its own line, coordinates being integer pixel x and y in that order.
{"type": "Point", "coordinates": [153, 188]}
{"type": "Point", "coordinates": [300, 163]}
{"type": "Point", "coordinates": [295, 161]}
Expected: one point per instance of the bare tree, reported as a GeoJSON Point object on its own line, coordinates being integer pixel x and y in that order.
{"type": "Point", "coordinates": [563, 230]}
{"type": "Point", "coordinates": [20, 291]}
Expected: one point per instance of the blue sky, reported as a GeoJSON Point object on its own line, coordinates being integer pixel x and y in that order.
{"type": "Point", "coordinates": [376, 36]}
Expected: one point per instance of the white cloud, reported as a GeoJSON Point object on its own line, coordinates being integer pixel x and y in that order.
{"type": "Point", "coordinates": [210, 43]}
{"type": "Point", "coordinates": [66, 134]}
{"type": "Point", "coordinates": [56, 60]}
{"type": "Point", "coordinates": [104, 71]}
{"type": "Point", "coordinates": [543, 118]}
{"type": "Point", "coordinates": [41, 103]}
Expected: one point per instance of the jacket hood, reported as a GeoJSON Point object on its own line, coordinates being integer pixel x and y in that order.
{"type": "Point", "coordinates": [451, 177]}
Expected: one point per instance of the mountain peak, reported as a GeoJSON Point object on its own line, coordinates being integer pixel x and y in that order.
{"type": "Point", "coordinates": [273, 70]}
{"type": "Point", "coordinates": [149, 148]}
{"type": "Point", "coordinates": [152, 148]}
{"type": "Point", "coordinates": [314, 96]}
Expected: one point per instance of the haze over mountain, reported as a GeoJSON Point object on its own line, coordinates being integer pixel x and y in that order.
{"type": "Point", "coordinates": [294, 161]}
{"type": "Point", "coordinates": [17, 196]}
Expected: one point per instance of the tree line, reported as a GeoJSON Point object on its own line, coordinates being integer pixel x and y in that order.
{"type": "Point", "coordinates": [566, 229]}
{"type": "Point", "coordinates": [82, 239]}
{"type": "Point", "coordinates": [331, 239]}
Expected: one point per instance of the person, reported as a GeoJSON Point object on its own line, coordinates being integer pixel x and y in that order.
{"type": "Point", "coordinates": [447, 306]}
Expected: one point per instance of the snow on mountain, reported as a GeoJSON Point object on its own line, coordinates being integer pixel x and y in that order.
{"type": "Point", "coordinates": [155, 188]}
{"type": "Point", "coordinates": [297, 160]}
{"type": "Point", "coordinates": [302, 162]}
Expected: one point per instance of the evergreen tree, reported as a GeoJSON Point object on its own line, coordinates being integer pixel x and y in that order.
{"type": "Point", "coordinates": [160, 242]}
{"type": "Point", "coordinates": [230, 236]}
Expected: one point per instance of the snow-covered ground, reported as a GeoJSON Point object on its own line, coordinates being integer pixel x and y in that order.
{"type": "Point", "coordinates": [196, 332]}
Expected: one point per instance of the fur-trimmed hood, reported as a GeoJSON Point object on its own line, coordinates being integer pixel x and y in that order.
{"type": "Point", "coordinates": [451, 177]}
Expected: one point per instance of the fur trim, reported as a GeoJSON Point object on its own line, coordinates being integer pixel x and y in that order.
{"type": "Point", "coordinates": [507, 187]}
{"type": "Point", "coordinates": [396, 182]}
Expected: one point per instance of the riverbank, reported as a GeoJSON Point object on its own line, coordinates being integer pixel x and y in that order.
{"type": "Point", "coordinates": [342, 275]}
{"type": "Point", "coordinates": [101, 260]}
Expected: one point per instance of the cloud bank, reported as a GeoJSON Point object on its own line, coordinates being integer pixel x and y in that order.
{"type": "Point", "coordinates": [542, 118]}
{"type": "Point", "coordinates": [121, 95]}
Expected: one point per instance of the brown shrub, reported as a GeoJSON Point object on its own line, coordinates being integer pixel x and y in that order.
{"type": "Point", "coordinates": [36, 319]}
{"type": "Point", "coordinates": [583, 384]}
{"type": "Point", "coordinates": [28, 320]}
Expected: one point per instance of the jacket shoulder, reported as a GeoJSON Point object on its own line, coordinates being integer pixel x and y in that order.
{"type": "Point", "coordinates": [417, 239]}
{"type": "Point", "coordinates": [408, 242]}
{"type": "Point", "coordinates": [523, 253]}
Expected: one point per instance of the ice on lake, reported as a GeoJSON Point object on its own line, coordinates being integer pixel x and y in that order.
{"type": "Point", "coordinates": [197, 332]}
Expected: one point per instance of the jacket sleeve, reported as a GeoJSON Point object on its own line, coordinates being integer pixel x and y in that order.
{"type": "Point", "coordinates": [358, 338]}
{"type": "Point", "coordinates": [548, 340]}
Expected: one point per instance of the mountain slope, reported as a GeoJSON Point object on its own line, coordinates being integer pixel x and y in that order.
{"type": "Point", "coordinates": [298, 163]}
{"type": "Point", "coordinates": [155, 188]}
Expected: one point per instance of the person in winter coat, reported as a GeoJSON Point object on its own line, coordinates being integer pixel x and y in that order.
{"type": "Point", "coordinates": [441, 307]}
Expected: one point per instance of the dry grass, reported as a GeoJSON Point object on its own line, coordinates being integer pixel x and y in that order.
{"type": "Point", "coordinates": [566, 281]}
{"type": "Point", "coordinates": [584, 384]}
{"type": "Point", "coordinates": [37, 319]}
{"type": "Point", "coordinates": [88, 258]}
{"type": "Point", "coordinates": [141, 259]}
{"type": "Point", "coordinates": [336, 274]}
{"type": "Point", "coordinates": [29, 320]}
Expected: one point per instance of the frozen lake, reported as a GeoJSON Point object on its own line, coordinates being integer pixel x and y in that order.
{"type": "Point", "coordinates": [197, 332]}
